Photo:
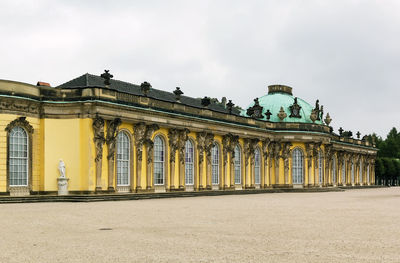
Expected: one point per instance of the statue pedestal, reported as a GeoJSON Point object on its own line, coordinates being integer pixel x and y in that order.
{"type": "Point", "coordinates": [62, 185]}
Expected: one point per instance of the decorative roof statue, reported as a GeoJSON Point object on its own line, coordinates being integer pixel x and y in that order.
{"type": "Point", "coordinates": [256, 110]}
{"type": "Point", "coordinates": [107, 77]}
{"type": "Point", "coordinates": [205, 101]}
{"type": "Point", "coordinates": [328, 119]}
{"type": "Point", "coordinates": [340, 131]}
{"type": "Point", "coordinates": [145, 87]}
{"type": "Point", "coordinates": [358, 134]}
{"type": "Point", "coordinates": [321, 113]}
{"type": "Point", "coordinates": [268, 114]}
{"type": "Point", "coordinates": [295, 109]}
{"type": "Point", "coordinates": [282, 114]}
{"type": "Point", "coordinates": [230, 106]}
{"type": "Point", "coordinates": [178, 93]}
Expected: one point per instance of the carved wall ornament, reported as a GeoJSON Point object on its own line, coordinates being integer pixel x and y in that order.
{"type": "Point", "coordinates": [265, 145]}
{"type": "Point", "coordinates": [295, 109]}
{"type": "Point", "coordinates": [282, 114]}
{"type": "Point", "coordinates": [20, 122]}
{"type": "Point", "coordinates": [149, 147]}
{"type": "Point", "coordinates": [201, 139]}
{"type": "Point", "coordinates": [328, 119]}
{"type": "Point", "coordinates": [225, 146]}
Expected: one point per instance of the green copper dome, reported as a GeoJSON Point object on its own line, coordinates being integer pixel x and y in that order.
{"type": "Point", "coordinates": [281, 96]}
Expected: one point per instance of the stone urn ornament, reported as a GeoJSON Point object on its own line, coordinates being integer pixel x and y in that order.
{"type": "Point", "coordinates": [313, 115]}
{"type": "Point", "coordinates": [328, 119]}
{"type": "Point", "coordinates": [62, 180]}
{"type": "Point", "coordinates": [282, 114]}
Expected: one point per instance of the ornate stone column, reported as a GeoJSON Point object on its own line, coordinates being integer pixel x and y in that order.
{"type": "Point", "coordinates": [112, 131]}
{"type": "Point", "coordinates": [327, 180]}
{"type": "Point", "coordinates": [271, 148]}
{"type": "Point", "coordinates": [265, 178]}
{"type": "Point", "coordinates": [99, 140]}
{"type": "Point", "coordinates": [173, 137]}
{"type": "Point", "coordinates": [277, 150]}
{"type": "Point", "coordinates": [139, 134]}
{"type": "Point", "coordinates": [286, 155]}
{"type": "Point", "coordinates": [246, 153]}
{"type": "Point", "coordinates": [183, 137]}
{"type": "Point", "coordinates": [225, 150]}
{"type": "Point", "coordinates": [309, 155]}
{"type": "Point", "coordinates": [201, 138]}
{"type": "Point", "coordinates": [208, 144]}
{"type": "Point", "coordinates": [315, 152]}
{"type": "Point", "coordinates": [234, 140]}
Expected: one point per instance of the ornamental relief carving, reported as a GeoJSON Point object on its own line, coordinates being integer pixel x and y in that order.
{"type": "Point", "coordinates": [309, 153]}
{"type": "Point", "coordinates": [208, 144]}
{"type": "Point", "coordinates": [21, 122]}
{"type": "Point", "coordinates": [286, 154]}
{"type": "Point", "coordinates": [252, 145]}
{"type": "Point", "coordinates": [22, 106]}
{"type": "Point", "coordinates": [201, 141]}
{"type": "Point", "coordinates": [173, 138]}
{"type": "Point", "coordinates": [112, 131]}
{"type": "Point", "coordinates": [99, 139]}
{"type": "Point", "coordinates": [143, 134]}
{"type": "Point", "coordinates": [183, 137]}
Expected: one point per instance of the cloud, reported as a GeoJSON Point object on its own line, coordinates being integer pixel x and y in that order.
{"type": "Point", "coordinates": [343, 52]}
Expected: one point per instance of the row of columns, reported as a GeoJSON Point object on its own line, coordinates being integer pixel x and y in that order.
{"type": "Point", "coordinates": [271, 154]}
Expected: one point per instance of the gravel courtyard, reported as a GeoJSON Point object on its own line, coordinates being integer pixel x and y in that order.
{"type": "Point", "coordinates": [352, 226]}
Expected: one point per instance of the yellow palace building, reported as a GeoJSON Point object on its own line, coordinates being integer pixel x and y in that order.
{"type": "Point", "coordinates": [107, 135]}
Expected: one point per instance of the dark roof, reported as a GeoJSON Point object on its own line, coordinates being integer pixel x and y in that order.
{"type": "Point", "coordinates": [89, 80]}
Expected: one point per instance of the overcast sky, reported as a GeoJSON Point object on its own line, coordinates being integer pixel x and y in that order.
{"type": "Point", "coordinates": [344, 53]}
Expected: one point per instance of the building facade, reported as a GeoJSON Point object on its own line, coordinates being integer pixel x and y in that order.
{"type": "Point", "coordinates": [114, 136]}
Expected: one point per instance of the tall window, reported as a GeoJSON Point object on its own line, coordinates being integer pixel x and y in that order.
{"type": "Point", "coordinates": [238, 165]}
{"type": "Point", "coordinates": [344, 173]}
{"type": "Point", "coordinates": [257, 166]}
{"type": "Point", "coordinates": [368, 179]}
{"type": "Point", "coordinates": [361, 173]}
{"type": "Point", "coordinates": [123, 159]}
{"type": "Point", "coordinates": [297, 166]}
{"type": "Point", "coordinates": [352, 173]}
{"type": "Point", "coordinates": [189, 163]}
{"type": "Point", "coordinates": [159, 159]}
{"type": "Point", "coordinates": [321, 166]}
{"type": "Point", "coordinates": [334, 170]}
{"type": "Point", "coordinates": [215, 163]}
{"type": "Point", "coordinates": [18, 157]}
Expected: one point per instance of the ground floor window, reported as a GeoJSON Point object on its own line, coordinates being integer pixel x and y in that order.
{"type": "Point", "coordinates": [297, 166]}
{"type": "Point", "coordinates": [189, 163]}
{"type": "Point", "coordinates": [215, 164]}
{"type": "Point", "coordinates": [238, 165]}
{"type": "Point", "coordinates": [257, 161]}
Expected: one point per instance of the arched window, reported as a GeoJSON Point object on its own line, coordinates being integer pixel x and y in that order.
{"type": "Point", "coordinates": [159, 160]}
{"type": "Point", "coordinates": [238, 165]}
{"type": "Point", "coordinates": [257, 178]}
{"type": "Point", "coordinates": [320, 166]}
{"type": "Point", "coordinates": [18, 157]}
{"type": "Point", "coordinates": [123, 159]}
{"type": "Point", "coordinates": [297, 166]}
{"type": "Point", "coordinates": [215, 163]}
{"type": "Point", "coordinates": [344, 172]}
{"type": "Point", "coordinates": [361, 173]}
{"type": "Point", "coordinates": [368, 174]}
{"type": "Point", "coordinates": [334, 170]}
{"type": "Point", "coordinates": [189, 163]}
{"type": "Point", "coordinates": [352, 173]}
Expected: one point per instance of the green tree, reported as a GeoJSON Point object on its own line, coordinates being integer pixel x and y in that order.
{"type": "Point", "coordinates": [379, 170]}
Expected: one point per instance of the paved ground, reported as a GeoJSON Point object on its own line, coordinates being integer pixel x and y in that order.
{"type": "Point", "coordinates": [351, 226]}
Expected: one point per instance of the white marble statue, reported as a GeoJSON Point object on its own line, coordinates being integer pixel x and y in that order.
{"type": "Point", "coordinates": [61, 168]}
